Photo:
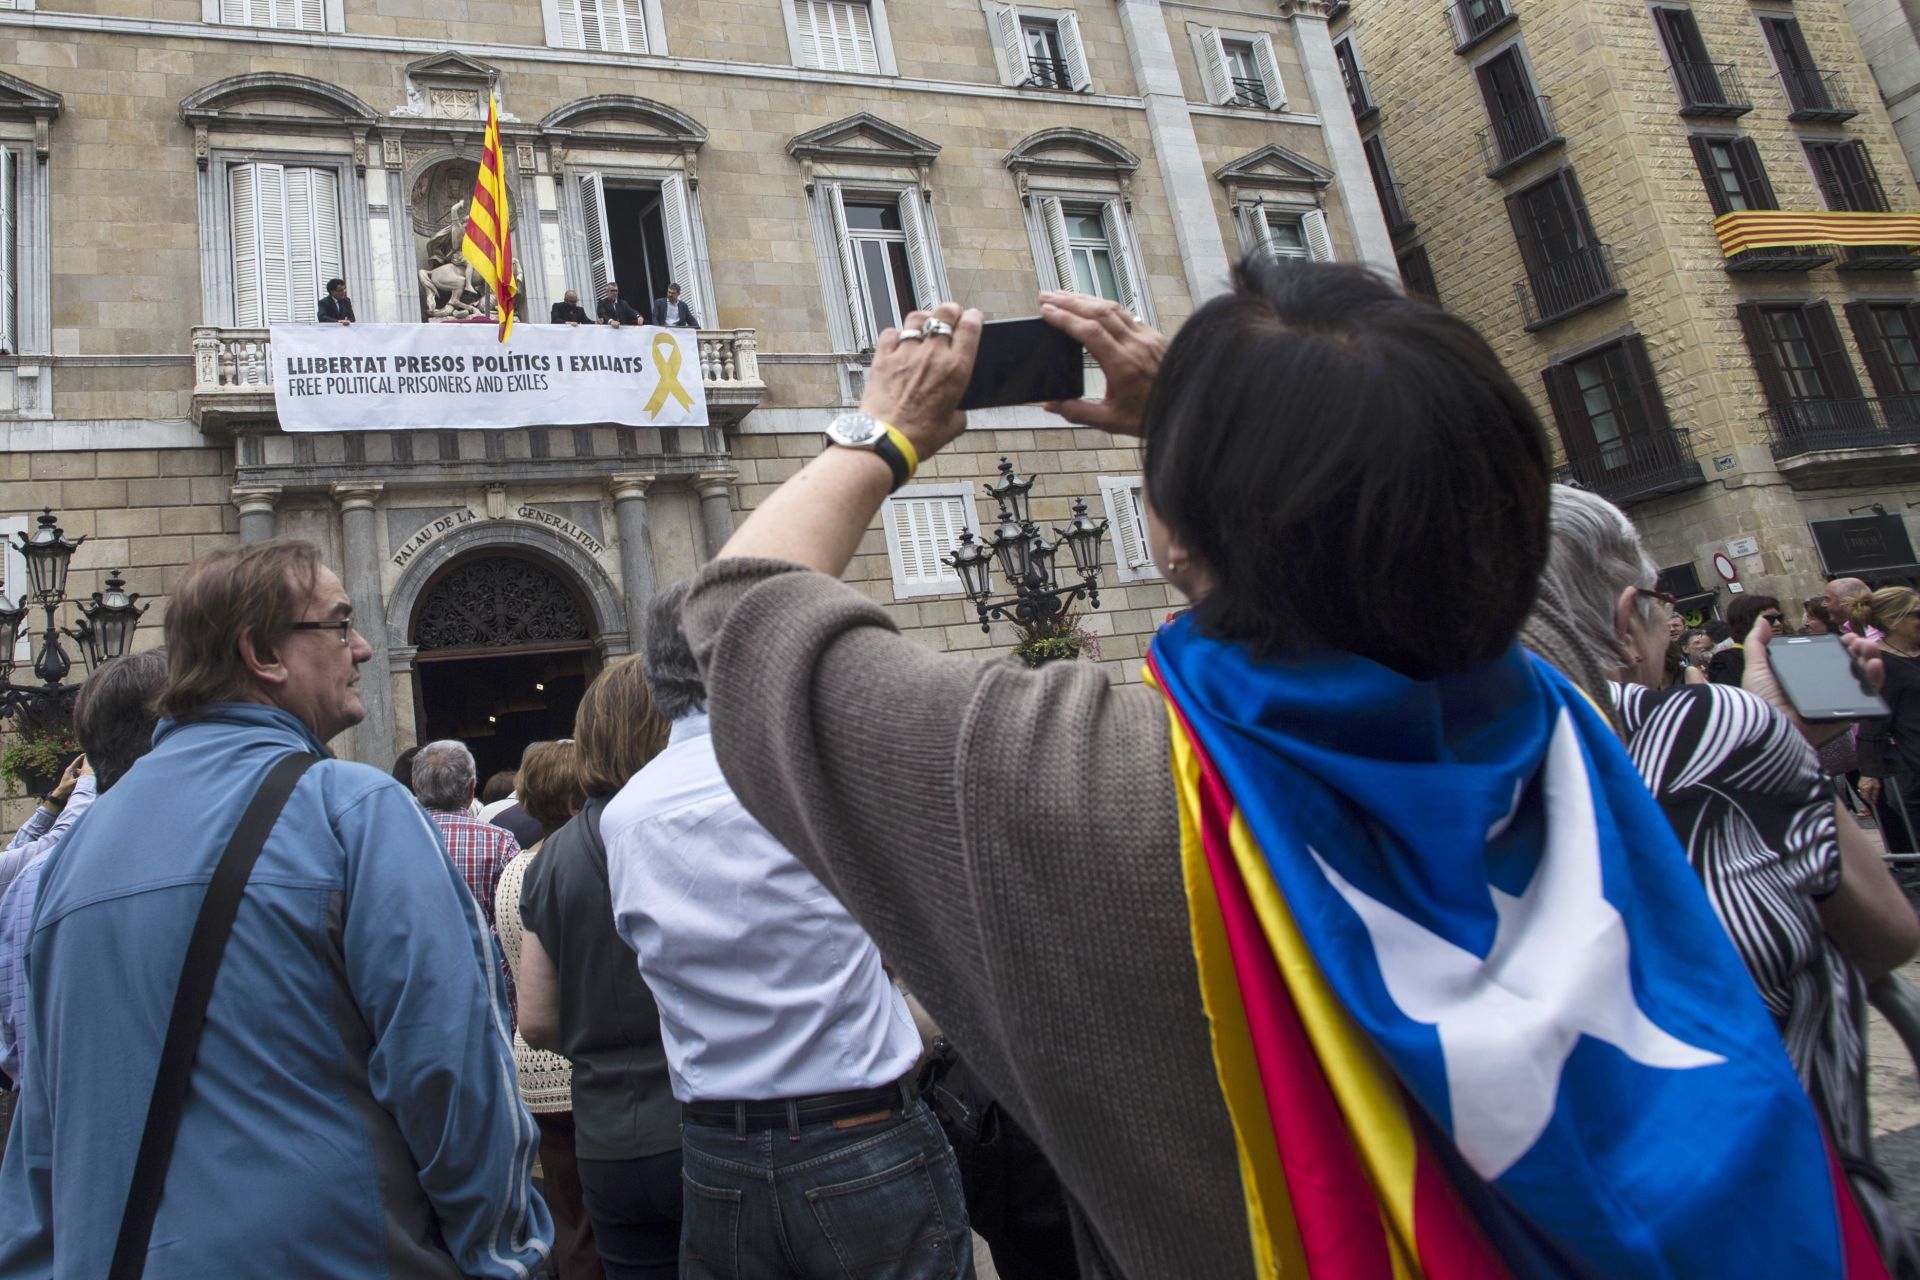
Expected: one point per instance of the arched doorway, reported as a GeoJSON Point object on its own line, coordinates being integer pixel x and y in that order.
{"type": "Point", "coordinates": [505, 648]}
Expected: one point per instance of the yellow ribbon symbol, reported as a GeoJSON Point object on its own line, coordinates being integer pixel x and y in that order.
{"type": "Point", "coordinates": [667, 365]}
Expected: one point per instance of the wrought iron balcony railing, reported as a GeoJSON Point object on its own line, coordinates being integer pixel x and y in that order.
{"type": "Point", "coordinates": [1817, 95]}
{"type": "Point", "coordinates": [1518, 135]}
{"type": "Point", "coordinates": [1568, 285]}
{"type": "Point", "coordinates": [1711, 89]}
{"type": "Point", "coordinates": [1471, 21]}
{"type": "Point", "coordinates": [1360, 94]}
{"type": "Point", "coordinates": [1048, 73]}
{"type": "Point", "coordinates": [1878, 257]}
{"type": "Point", "coordinates": [1638, 467]}
{"type": "Point", "coordinates": [1249, 93]}
{"type": "Point", "coordinates": [1811, 426]}
{"type": "Point", "coordinates": [1784, 258]}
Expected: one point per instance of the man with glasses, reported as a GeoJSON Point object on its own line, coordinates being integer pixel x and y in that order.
{"type": "Point", "coordinates": [1729, 665]}
{"type": "Point", "coordinates": [351, 1108]}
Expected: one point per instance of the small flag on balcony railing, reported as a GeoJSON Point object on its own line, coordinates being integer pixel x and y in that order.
{"type": "Point", "coordinates": [1780, 229]}
{"type": "Point", "coordinates": [488, 245]}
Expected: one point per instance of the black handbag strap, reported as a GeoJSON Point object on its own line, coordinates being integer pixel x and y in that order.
{"type": "Point", "coordinates": [204, 949]}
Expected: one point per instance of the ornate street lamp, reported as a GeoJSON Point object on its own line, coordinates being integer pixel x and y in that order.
{"type": "Point", "coordinates": [103, 630]}
{"type": "Point", "coordinates": [1027, 560]}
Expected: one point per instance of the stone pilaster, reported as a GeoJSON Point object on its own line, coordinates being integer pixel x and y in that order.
{"type": "Point", "coordinates": [257, 505]}
{"type": "Point", "coordinates": [361, 575]}
{"type": "Point", "coordinates": [636, 550]}
{"type": "Point", "coordinates": [716, 507]}
{"type": "Point", "coordinates": [1346, 156]}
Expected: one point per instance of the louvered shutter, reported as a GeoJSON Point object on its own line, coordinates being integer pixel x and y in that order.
{"type": "Point", "coordinates": [1074, 53]}
{"type": "Point", "coordinates": [327, 252]}
{"type": "Point", "coordinates": [676, 215]}
{"type": "Point", "coordinates": [1826, 172]}
{"type": "Point", "coordinates": [1255, 233]}
{"type": "Point", "coordinates": [1773, 382]}
{"type": "Point", "coordinates": [303, 289]}
{"type": "Point", "coordinates": [1836, 369]}
{"type": "Point", "coordinates": [1570, 415]}
{"type": "Point", "coordinates": [865, 55]}
{"type": "Point", "coordinates": [1319, 238]}
{"type": "Point", "coordinates": [1269, 68]}
{"type": "Point", "coordinates": [1863, 182]}
{"type": "Point", "coordinates": [593, 24]}
{"type": "Point", "coordinates": [270, 191]}
{"type": "Point", "coordinates": [1126, 526]}
{"type": "Point", "coordinates": [1866, 336]}
{"type": "Point", "coordinates": [925, 529]}
{"type": "Point", "coordinates": [633, 16]}
{"type": "Point", "coordinates": [1753, 174]}
{"type": "Point", "coordinates": [9, 252]}
{"type": "Point", "coordinates": [244, 222]}
{"type": "Point", "coordinates": [1053, 220]}
{"type": "Point", "coordinates": [808, 38]}
{"type": "Point", "coordinates": [312, 15]}
{"type": "Point", "coordinates": [1114, 222]}
{"type": "Point", "coordinates": [593, 219]}
{"type": "Point", "coordinates": [863, 335]}
{"type": "Point", "coordinates": [1525, 235]}
{"type": "Point", "coordinates": [1013, 46]}
{"type": "Point", "coordinates": [1710, 174]}
{"type": "Point", "coordinates": [14, 582]}
{"type": "Point", "coordinates": [234, 13]}
{"type": "Point", "coordinates": [1653, 405]}
{"type": "Point", "coordinates": [1213, 67]}
{"type": "Point", "coordinates": [926, 288]}
{"type": "Point", "coordinates": [570, 24]}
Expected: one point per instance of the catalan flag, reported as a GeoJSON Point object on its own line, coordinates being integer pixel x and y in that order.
{"type": "Point", "coordinates": [488, 245]}
{"type": "Point", "coordinates": [1473, 1015]}
{"type": "Point", "coordinates": [1779, 229]}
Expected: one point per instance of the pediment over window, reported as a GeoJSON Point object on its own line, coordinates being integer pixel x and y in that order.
{"type": "Point", "coordinates": [453, 66]}
{"type": "Point", "coordinates": [1274, 168]}
{"type": "Point", "coordinates": [450, 86]}
{"type": "Point", "coordinates": [1072, 153]}
{"type": "Point", "coordinates": [614, 118]}
{"type": "Point", "coordinates": [864, 138]}
{"type": "Point", "coordinates": [20, 99]}
{"type": "Point", "coordinates": [274, 97]}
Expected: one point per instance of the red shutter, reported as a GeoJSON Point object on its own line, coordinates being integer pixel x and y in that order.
{"type": "Point", "coordinates": [1773, 383]}
{"type": "Point", "coordinates": [1653, 405]}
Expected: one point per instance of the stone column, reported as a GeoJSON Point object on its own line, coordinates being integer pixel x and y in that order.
{"type": "Point", "coordinates": [716, 507]}
{"type": "Point", "coordinates": [636, 551]}
{"type": "Point", "coordinates": [361, 575]}
{"type": "Point", "coordinates": [1348, 159]}
{"type": "Point", "coordinates": [256, 503]}
{"type": "Point", "coordinates": [1189, 188]}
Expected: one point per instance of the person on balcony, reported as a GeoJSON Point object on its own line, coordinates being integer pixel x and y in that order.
{"type": "Point", "coordinates": [672, 313]}
{"type": "Point", "coordinates": [613, 309]}
{"type": "Point", "coordinates": [570, 311]}
{"type": "Point", "coordinates": [336, 307]}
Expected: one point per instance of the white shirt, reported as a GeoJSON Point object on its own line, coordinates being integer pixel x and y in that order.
{"type": "Point", "coordinates": [766, 986]}
{"type": "Point", "coordinates": [488, 812]}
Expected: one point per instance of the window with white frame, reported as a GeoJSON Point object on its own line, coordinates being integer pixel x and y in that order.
{"type": "Point", "coordinates": [922, 523]}
{"type": "Point", "coordinates": [14, 584]}
{"type": "Point", "coordinates": [292, 15]}
{"type": "Point", "coordinates": [1286, 232]}
{"type": "Point", "coordinates": [885, 256]}
{"type": "Point", "coordinates": [1039, 47]}
{"type": "Point", "coordinates": [835, 35]}
{"type": "Point", "coordinates": [1089, 248]}
{"type": "Point", "coordinates": [641, 233]}
{"type": "Point", "coordinates": [1239, 69]}
{"type": "Point", "coordinates": [285, 228]}
{"type": "Point", "coordinates": [610, 26]}
{"type": "Point", "coordinates": [9, 251]}
{"type": "Point", "coordinates": [1127, 527]}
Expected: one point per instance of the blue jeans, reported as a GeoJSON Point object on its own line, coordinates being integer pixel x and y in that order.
{"type": "Point", "coordinates": [879, 1201]}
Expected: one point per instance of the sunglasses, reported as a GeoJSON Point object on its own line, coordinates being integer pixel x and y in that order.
{"type": "Point", "coordinates": [1773, 619]}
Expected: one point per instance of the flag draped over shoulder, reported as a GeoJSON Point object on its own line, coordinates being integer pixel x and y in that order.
{"type": "Point", "coordinates": [488, 244]}
{"type": "Point", "coordinates": [1782, 229]}
{"type": "Point", "coordinates": [1473, 1015]}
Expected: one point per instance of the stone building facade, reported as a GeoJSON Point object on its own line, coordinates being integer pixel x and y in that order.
{"type": "Point", "coordinates": [179, 174]}
{"type": "Point", "coordinates": [1552, 169]}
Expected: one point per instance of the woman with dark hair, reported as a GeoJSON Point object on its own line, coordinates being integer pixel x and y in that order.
{"type": "Point", "coordinates": [1288, 958]}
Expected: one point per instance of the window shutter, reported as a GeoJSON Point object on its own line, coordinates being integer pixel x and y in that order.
{"type": "Point", "coordinates": [1653, 405]}
{"type": "Point", "coordinates": [1523, 234]}
{"type": "Point", "coordinates": [1213, 67]}
{"type": "Point", "coordinates": [1319, 239]}
{"type": "Point", "coordinates": [1074, 53]}
{"type": "Point", "coordinates": [1269, 69]}
{"type": "Point", "coordinates": [303, 289]}
{"type": "Point", "coordinates": [9, 252]}
{"type": "Point", "coordinates": [676, 215]}
{"type": "Point", "coordinates": [1863, 182]}
{"type": "Point", "coordinates": [593, 217]}
{"type": "Point", "coordinates": [1773, 382]}
{"type": "Point", "coordinates": [1114, 222]}
{"type": "Point", "coordinates": [1866, 336]}
{"type": "Point", "coordinates": [1835, 368]}
{"type": "Point", "coordinates": [1826, 172]}
{"type": "Point", "coordinates": [570, 24]}
{"type": "Point", "coordinates": [593, 29]}
{"type": "Point", "coordinates": [1124, 523]}
{"type": "Point", "coordinates": [1012, 45]}
{"type": "Point", "coordinates": [234, 13]}
{"type": "Point", "coordinates": [313, 15]}
{"type": "Point", "coordinates": [1255, 234]}
{"type": "Point", "coordinates": [924, 530]}
{"type": "Point", "coordinates": [1570, 413]}
{"type": "Point", "coordinates": [926, 288]}
{"type": "Point", "coordinates": [633, 26]}
{"type": "Point", "coordinates": [1703, 156]}
{"type": "Point", "coordinates": [809, 38]}
{"type": "Point", "coordinates": [863, 335]}
{"type": "Point", "coordinates": [244, 222]}
{"type": "Point", "coordinates": [1054, 220]}
{"type": "Point", "coordinates": [328, 262]}
{"type": "Point", "coordinates": [1753, 174]}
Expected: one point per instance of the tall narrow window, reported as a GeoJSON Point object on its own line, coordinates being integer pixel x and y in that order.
{"type": "Point", "coordinates": [1806, 375]}
{"type": "Point", "coordinates": [1516, 114]}
{"type": "Point", "coordinates": [1090, 249]}
{"type": "Point", "coordinates": [1736, 180]}
{"type": "Point", "coordinates": [1286, 233]}
{"type": "Point", "coordinates": [1811, 93]}
{"type": "Point", "coordinates": [293, 15]}
{"type": "Point", "coordinates": [1127, 522]}
{"type": "Point", "coordinates": [9, 251]}
{"type": "Point", "coordinates": [1567, 269]}
{"type": "Point", "coordinates": [612, 26]}
{"type": "Point", "coordinates": [1613, 423]}
{"type": "Point", "coordinates": [1416, 271]}
{"type": "Point", "coordinates": [1888, 335]}
{"type": "Point", "coordinates": [285, 223]}
{"type": "Point", "coordinates": [1039, 47]}
{"type": "Point", "coordinates": [1392, 204]}
{"type": "Point", "coordinates": [922, 522]}
{"type": "Point", "coordinates": [1359, 93]}
{"type": "Point", "coordinates": [641, 235]}
{"type": "Point", "coordinates": [885, 257]}
{"type": "Point", "coordinates": [836, 35]}
{"type": "Point", "coordinates": [1847, 177]}
{"type": "Point", "coordinates": [1240, 70]}
{"type": "Point", "coordinates": [1705, 89]}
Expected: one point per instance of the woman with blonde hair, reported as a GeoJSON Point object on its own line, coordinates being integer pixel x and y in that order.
{"type": "Point", "coordinates": [1890, 749]}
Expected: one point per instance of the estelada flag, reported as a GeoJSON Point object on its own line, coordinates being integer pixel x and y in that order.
{"type": "Point", "coordinates": [488, 244]}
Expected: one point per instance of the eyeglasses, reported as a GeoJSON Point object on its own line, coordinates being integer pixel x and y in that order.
{"type": "Point", "coordinates": [343, 625]}
{"type": "Point", "coordinates": [1652, 593]}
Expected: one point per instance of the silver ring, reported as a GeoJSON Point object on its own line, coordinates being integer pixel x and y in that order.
{"type": "Point", "coordinates": [937, 329]}
{"type": "Point", "coordinates": [911, 335]}
{"type": "Point", "coordinates": [1136, 319]}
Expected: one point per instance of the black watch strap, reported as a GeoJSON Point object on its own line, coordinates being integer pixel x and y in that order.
{"type": "Point", "coordinates": [887, 449]}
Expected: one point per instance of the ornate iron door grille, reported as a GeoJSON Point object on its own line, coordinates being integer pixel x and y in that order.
{"type": "Point", "coordinates": [496, 603]}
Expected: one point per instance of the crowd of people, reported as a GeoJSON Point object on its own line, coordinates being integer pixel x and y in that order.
{"type": "Point", "coordinates": [1456, 929]}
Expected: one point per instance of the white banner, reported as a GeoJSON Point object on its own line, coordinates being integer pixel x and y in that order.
{"type": "Point", "coordinates": [424, 377]}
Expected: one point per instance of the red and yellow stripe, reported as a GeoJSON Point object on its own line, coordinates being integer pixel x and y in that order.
{"type": "Point", "coordinates": [1780, 229]}
{"type": "Point", "coordinates": [488, 244]}
{"type": "Point", "coordinates": [1340, 1180]}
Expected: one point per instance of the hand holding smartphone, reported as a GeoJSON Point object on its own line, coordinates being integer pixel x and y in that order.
{"type": "Point", "coordinates": [1823, 681]}
{"type": "Point", "coordinates": [1024, 362]}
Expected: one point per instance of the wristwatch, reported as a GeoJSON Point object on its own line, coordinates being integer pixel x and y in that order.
{"type": "Point", "coordinates": [864, 431]}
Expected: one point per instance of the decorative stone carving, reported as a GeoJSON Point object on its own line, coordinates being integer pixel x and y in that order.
{"type": "Point", "coordinates": [453, 104]}
{"type": "Point", "coordinates": [449, 287]}
{"type": "Point", "coordinates": [523, 156]}
{"type": "Point", "coordinates": [392, 154]}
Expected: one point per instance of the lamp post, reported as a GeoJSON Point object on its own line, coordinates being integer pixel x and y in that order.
{"type": "Point", "coordinates": [103, 630]}
{"type": "Point", "coordinates": [1026, 560]}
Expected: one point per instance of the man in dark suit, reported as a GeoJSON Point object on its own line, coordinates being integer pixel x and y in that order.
{"type": "Point", "coordinates": [570, 311]}
{"type": "Point", "coordinates": [336, 307]}
{"type": "Point", "coordinates": [613, 309]}
{"type": "Point", "coordinates": [673, 313]}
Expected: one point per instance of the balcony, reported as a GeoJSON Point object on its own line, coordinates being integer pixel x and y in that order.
{"type": "Point", "coordinates": [1710, 89]}
{"type": "Point", "coordinates": [1786, 258]}
{"type": "Point", "coordinates": [1360, 94]}
{"type": "Point", "coordinates": [1824, 443]}
{"type": "Point", "coordinates": [1578, 282]}
{"type": "Point", "coordinates": [1471, 21]}
{"type": "Point", "coordinates": [1638, 468]}
{"type": "Point", "coordinates": [1878, 257]}
{"type": "Point", "coordinates": [1393, 206]}
{"type": "Point", "coordinates": [1815, 96]}
{"type": "Point", "coordinates": [1048, 73]}
{"type": "Point", "coordinates": [1249, 93]}
{"type": "Point", "coordinates": [1519, 136]}
{"type": "Point", "coordinates": [233, 376]}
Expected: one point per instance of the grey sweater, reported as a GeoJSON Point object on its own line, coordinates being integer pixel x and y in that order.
{"type": "Point", "coordinates": [1010, 839]}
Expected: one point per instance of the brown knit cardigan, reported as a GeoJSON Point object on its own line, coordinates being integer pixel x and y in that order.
{"type": "Point", "coordinates": [1009, 838]}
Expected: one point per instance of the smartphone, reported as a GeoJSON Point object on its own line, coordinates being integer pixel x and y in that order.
{"type": "Point", "coordinates": [1024, 362]}
{"type": "Point", "coordinates": [1822, 681]}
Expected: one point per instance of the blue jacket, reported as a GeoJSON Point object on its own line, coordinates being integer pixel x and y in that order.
{"type": "Point", "coordinates": [353, 1110]}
